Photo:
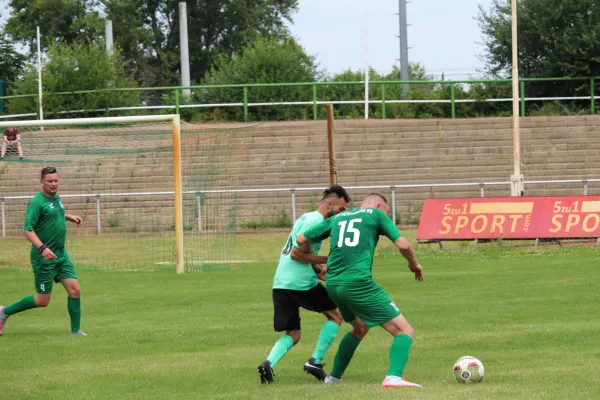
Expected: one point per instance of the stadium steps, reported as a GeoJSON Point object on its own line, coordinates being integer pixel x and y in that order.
{"type": "Point", "coordinates": [294, 154]}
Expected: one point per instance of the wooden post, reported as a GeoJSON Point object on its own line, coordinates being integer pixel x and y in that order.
{"type": "Point", "coordinates": [331, 145]}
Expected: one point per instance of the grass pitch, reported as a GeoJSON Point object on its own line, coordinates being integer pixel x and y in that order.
{"type": "Point", "coordinates": [530, 315]}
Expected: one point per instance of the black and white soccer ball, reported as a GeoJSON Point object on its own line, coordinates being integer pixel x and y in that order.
{"type": "Point", "coordinates": [468, 369]}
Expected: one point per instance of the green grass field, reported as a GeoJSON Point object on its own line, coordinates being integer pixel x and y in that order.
{"type": "Point", "coordinates": [530, 315]}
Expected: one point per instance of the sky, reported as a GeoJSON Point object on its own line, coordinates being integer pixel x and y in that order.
{"type": "Point", "coordinates": [443, 34]}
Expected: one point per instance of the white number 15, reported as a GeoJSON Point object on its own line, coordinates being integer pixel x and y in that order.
{"type": "Point", "coordinates": [351, 229]}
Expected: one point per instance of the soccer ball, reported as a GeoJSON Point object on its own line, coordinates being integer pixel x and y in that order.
{"type": "Point", "coordinates": [468, 369]}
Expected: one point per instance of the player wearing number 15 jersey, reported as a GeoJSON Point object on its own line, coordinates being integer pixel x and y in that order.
{"type": "Point", "coordinates": [296, 285]}
{"type": "Point", "coordinates": [362, 302]}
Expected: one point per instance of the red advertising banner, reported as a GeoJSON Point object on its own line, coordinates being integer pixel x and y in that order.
{"type": "Point", "coordinates": [510, 218]}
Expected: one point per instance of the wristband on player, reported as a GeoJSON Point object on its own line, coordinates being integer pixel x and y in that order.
{"type": "Point", "coordinates": [42, 248]}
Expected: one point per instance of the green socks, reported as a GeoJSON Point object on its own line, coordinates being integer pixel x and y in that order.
{"type": "Point", "coordinates": [344, 354]}
{"type": "Point", "coordinates": [74, 307]}
{"type": "Point", "coordinates": [24, 304]}
{"type": "Point", "coordinates": [285, 343]}
{"type": "Point", "coordinates": [282, 346]}
{"type": "Point", "coordinates": [399, 354]}
{"type": "Point", "coordinates": [326, 338]}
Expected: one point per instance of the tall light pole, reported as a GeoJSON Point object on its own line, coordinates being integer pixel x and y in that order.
{"type": "Point", "coordinates": [183, 47]}
{"type": "Point", "coordinates": [517, 178]}
{"type": "Point", "coordinates": [403, 35]}
{"type": "Point", "coordinates": [109, 37]}
{"type": "Point", "coordinates": [39, 65]}
{"type": "Point", "coordinates": [367, 64]}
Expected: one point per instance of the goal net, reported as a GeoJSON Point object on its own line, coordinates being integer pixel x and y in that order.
{"type": "Point", "coordinates": [121, 176]}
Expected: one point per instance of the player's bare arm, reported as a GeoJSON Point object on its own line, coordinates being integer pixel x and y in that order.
{"type": "Point", "coordinates": [308, 258]}
{"type": "Point", "coordinates": [408, 253]}
{"type": "Point", "coordinates": [304, 254]}
{"type": "Point", "coordinates": [34, 240]}
{"type": "Point", "coordinates": [74, 218]}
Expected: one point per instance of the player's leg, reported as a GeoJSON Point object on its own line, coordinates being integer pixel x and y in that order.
{"type": "Point", "coordinates": [327, 335]}
{"type": "Point", "coordinates": [20, 149]}
{"type": "Point", "coordinates": [3, 150]}
{"type": "Point", "coordinates": [43, 278]}
{"type": "Point", "coordinates": [403, 334]}
{"type": "Point", "coordinates": [351, 340]}
{"type": "Point", "coordinates": [68, 277]}
{"type": "Point", "coordinates": [316, 299]}
{"type": "Point", "coordinates": [373, 305]}
{"type": "Point", "coordinates": [74, 304]}
{"type": "Point", "coordinates": [348, 346]}
{"type": "Point", "coordinates": [286, 318]}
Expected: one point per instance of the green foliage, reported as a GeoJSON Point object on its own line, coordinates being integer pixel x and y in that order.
{"type": "Point", "coordinates": [60, 21]}
{"type": "Point", "coordinates": [71, 67]}
{"type": "Point", "coordinates": [114, 221]}
{"type": "Point", "coordinates": [147, 31]}
{"type": "Point", "coordinates": [188, 227]}
{"type": "Point", "coordinates": [313, 204]}
{"type": "Point", "coordinates": [555, 109]}
{"type": "Point", "coordinates": [280, 59]}
{"type": "Point", "coordinates": [556, 38]}
{"type": "Point", "coordinates": [11, 62]}
{"type": "Point", "coordinates": [279, 219]}
{"type": "Point", "coordinates": [412, 215]}
{"type": "Point", "coordinates": [392, 92]}
{"type": "Point", "coordinates": [483, 91]}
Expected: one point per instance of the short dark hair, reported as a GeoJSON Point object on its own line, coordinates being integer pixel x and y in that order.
{"type": "Point", "coordinates": [378, 195]}
{"type": "Point", "coordinates": [336, 191]}
{"type": "Point", "coordinates": [47, 171]}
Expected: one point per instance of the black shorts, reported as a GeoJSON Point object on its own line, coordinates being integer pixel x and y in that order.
{"type": "Point", "coordinates": [287, 303]}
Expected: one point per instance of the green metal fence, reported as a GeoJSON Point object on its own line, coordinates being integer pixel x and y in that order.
{"type": "Point", "coordinates": [383, 99]}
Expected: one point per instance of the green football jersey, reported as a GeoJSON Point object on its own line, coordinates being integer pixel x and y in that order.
{"type": "Point", "coordinates": [353, 237]}
{"type": "Point", "coordinates": [293, 274]}
{"type": "Point", "coordinates": [46, 217]}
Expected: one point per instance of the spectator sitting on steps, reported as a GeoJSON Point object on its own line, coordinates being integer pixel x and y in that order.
{"type": "Point", "coordinates": [12, 138]}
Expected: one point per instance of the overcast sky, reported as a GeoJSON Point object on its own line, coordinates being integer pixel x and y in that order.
{"type": "Point", "coordinates": [444, 34]}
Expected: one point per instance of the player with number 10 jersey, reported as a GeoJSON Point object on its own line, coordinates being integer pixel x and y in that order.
{"type": "Point", "coordinates": [296, 285]}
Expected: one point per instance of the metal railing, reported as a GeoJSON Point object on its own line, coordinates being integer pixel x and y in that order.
{"type": "Point", "coordinates": [292, 191]}
{"type": "Point", "coordinates": [315, 101]}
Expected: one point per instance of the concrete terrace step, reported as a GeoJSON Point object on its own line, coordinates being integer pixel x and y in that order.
{"type": "Point", "coordinates": [295, 155]}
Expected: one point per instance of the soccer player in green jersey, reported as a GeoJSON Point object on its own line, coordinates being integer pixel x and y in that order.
{"type": "Point", "coordinates": [296, 285]}
{"type": "Point", "coordinates": [362, 302]}
{"type": "Point", "coordinates": [46, 229]}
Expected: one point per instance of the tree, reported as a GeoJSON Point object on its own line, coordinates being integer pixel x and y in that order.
{"type": "Point", "coordinates": [557, 38]}
{"type": "Point", "coordinates": [392, 92]}
{"type": "Point", "coordinates": [11, 62]}
{"type": "Point", "coordinates": [266, 61]}
{"type": "Point", "coordinates": [416, 72]}
{"type": "Point", "coordinates": [59, 20]}
{"type": "Point", "coordinates": [71, 67]}
{"type": "Point", "coordinates": [147, 31]}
